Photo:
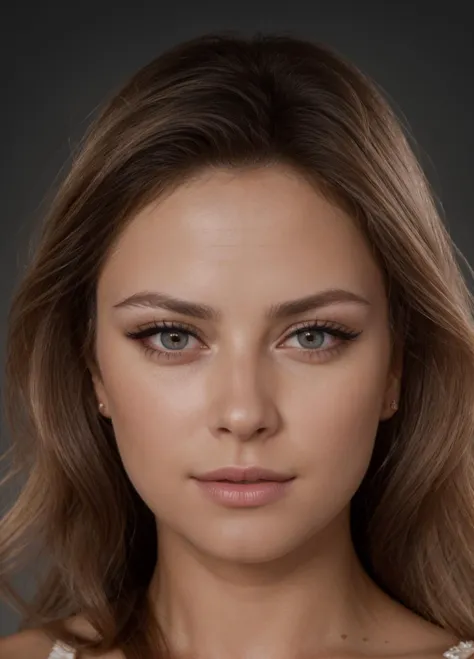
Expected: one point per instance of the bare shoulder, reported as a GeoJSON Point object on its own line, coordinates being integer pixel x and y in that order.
{"type": "Point", "coordinates": [410, 635]}
{"type": "Point", "coordinates": [81, 625]}
{"type": "Point", "coordinates": [31, 643]}
{"type": "Point", "coordinates": [36, 644]}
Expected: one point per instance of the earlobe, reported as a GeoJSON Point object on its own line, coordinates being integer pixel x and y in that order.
{"type": "Point", "coordinates": [392, 395]}
{"type": "Point", "coordinates": [391, 398]}
{"type": "Point", "coordinates": [101, 396]}
{"type": "Point", "coordinates": [103, 410]}
{"type": "Point", "coordinates": [389, 410]}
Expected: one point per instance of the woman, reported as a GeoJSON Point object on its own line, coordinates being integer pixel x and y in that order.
{"type": "Point", "coordinates": [240, 377]}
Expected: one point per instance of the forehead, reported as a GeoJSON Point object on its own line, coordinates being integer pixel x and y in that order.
{"type": "Point", "coordinates": [266, 230]}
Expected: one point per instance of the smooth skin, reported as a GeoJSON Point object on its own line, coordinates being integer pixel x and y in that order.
{"type": "Point", "coordinates": [242, 387]}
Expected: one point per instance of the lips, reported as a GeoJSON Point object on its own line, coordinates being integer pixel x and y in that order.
{"type": "Point", "coordinates": [244, 474]}
{"type": "Point", "coordinates": [255, 494]}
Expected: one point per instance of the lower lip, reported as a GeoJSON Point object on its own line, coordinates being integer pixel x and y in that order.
{"type": "Point", "coordinates": [244, 495]}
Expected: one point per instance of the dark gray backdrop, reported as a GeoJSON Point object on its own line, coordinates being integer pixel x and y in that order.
{"type": "Point", "coordinates": [60, 60]}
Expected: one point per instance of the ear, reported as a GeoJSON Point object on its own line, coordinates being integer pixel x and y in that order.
{"type": "Point", "coordinates": [394, 377]}
{"type": "Point", "coordinates": [99, 388]}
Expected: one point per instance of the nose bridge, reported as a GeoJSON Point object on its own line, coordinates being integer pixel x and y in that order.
{"type": "Point", "coordinates": [243, 393]}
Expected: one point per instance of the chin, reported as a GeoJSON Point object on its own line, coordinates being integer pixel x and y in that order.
{"type": "Point", "coordinates": [239, 543]}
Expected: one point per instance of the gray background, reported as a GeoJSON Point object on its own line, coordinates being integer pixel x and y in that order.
{"type": "Point", "coordinates": [60, 61]}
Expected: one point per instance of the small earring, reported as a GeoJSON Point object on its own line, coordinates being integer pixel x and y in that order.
{"type": "Point", "coordinates": [394, 405]}
{"type": "Point", "coordinates": [101, 407]}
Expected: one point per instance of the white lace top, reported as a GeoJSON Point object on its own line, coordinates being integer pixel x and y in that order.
{"type": "Point", "coordinates": [461, 651]}
{"type": "Point", "coordinates": [61, 651]}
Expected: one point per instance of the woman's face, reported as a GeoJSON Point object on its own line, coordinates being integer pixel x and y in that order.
{"type": "Point", "coordinates": [240, 386]}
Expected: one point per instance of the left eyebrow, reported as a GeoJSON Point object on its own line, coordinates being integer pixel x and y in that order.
{"type": "Point", "coordinates": [282, 310]}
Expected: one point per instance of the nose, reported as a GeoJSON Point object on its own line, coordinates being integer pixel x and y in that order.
{"type": "Point", "coordinates": [243, 399]}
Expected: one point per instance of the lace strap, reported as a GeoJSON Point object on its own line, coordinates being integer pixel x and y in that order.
{"type": "Point", "coordinates": [461, 651]}
{"type": "Point", "coordinates": [62, 651]}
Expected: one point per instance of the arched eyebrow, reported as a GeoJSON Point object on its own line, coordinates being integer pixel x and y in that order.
{"type": "Point", "coordinates": [280, 311]}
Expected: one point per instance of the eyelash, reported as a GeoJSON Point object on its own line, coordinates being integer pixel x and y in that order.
{"type": "Point", "coordinates": [338, 331]}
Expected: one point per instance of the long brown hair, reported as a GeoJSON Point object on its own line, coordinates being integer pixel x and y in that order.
{"type": "Point", "coordinates": [225, 101]}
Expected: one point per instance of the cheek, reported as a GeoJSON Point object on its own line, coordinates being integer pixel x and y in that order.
{"type": "Point", "coordinates": [156, 413]}
{"type": "Point", "coordinates": [335, 421]}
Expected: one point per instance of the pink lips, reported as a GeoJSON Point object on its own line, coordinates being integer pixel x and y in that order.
{"type": "Point", "coordinates": [243, 474]}
{"type": "Point", "coordinates": [222, 486]}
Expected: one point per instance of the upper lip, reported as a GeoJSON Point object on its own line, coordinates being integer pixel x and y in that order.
{"type": "Point", "coordinates": [243, 474]}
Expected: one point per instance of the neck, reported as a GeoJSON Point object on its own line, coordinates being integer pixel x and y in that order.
{"type": "Point", "coordinates": [315, 600]}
